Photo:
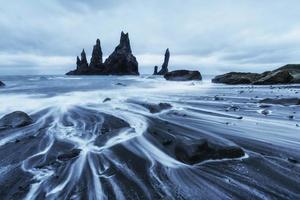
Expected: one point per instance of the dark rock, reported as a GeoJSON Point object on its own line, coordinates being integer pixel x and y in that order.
{"type": "Point", "coordinates": [164, 67]}
{"type": "Point", "coordinates": [155, 108]}
{"type": "Point", "coordinates": [278, 77]}
{"type": "Point", "coordinates": [155, 70]}
{"type": "Point", "coordinates": [234, 78]}
{"type": "Point", "coordinates": [106, 99]}
{"type": "Point", "coordinates": [121, 84]}
{"type": "Point", "coordinates": [82, 66]}
{"type": "Point", "coordinates": [265, 112]}
{"type": "Point", "coordinates": [1, 84]}
{"type": "Point", "coordinates": [69, 155]}
{"type": "Point", "coordinates": [292, 160]}
{"type": "Point", "coordinates": [14, 120]}
{"type": "Point", "coordinates": [285, 101]}
{"type": "Point", "coordinates": [196, 151]}
{"type": "Point", "coordinates": [183, 75]}
{"type": "Point", "coordinates": [121, 61]}
{"type": "Point", "coordinates": [96, 59]}
{"type": "Point", "coordinates": [217, 98]}
{"type": "Point", "coordinates": [288, 74]}
{"type": "Point", "coordinates": [291, 68]}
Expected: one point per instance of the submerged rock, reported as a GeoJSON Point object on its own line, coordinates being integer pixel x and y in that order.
{"type": "Point", "coordinates": [1, 84]}
{"type": "Point", "coordinates": [284, 101]}
{"type": "Point", "coordinates": [164, 67]}
{"type": "Point", "coordinates": [156, 108]}
{"type": "Point", "coordinates": [14, 120]}
{"type": "Point", "coordinates": [152, 107]}
{"type": "Point", "coordinates": [183, 75]}
{"type": "Point", "coordinates": [69, 155]}
{"type": "Point", "coordinates": [121, 61]}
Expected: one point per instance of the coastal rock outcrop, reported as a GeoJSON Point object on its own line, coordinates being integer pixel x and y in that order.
{"type": "Point", "coordinates": [1, 84]}
{"type": "Point", "coordinates": [287, 74]}
{"type": "Point", "coordinates": [236, 78]}
{"type": "Point", "coordinates": [278, 77]}
{"type": "Point", "coordinates": [183, 75]}
{"type": "Point", "coordinates": [120, 62]}
{"type": "Point", "coordinates": [14, 120]}
{"type": "Point", "coordinates": [164, 67]}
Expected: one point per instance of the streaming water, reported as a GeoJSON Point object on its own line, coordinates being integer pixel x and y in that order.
{"type": "Point", "coordinates": [83, 145]}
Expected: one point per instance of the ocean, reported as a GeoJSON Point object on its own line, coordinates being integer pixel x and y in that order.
{"type": "Point", "coordinates": [142, 137]}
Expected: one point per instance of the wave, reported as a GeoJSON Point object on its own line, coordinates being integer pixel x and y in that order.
{"type": "Point", "coordinates": [170, 141]}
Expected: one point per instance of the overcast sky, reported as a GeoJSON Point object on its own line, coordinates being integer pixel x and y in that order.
{"type": "Point", "coordinates": [215, 36]}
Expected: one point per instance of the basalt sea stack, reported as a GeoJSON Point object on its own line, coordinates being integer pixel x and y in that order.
{"type": "Point", "coordinates": [164, 67]}
{"type": "Point", "coordinates": [120, 62]}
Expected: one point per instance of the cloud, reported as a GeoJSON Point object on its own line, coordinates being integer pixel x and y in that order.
{"type": "Point", "coordinates": [213, 35]}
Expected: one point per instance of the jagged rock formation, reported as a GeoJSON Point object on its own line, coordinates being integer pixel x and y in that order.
{"type": "Point", "coordinates": [1, 84]}
{"type": "Point", "coordinates": [96, 60]}
{"type": "Point", "coordinates": [183, 75]}
{"type": "Point", "coordinates": [287, 74]}
{"type": "Point", "coordinates": [164, 67]}
{"type": "Point", "coordinates": [120, 62]}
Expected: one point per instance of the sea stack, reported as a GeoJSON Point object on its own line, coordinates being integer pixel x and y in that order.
{"type": "Point", "coordinates": [120, 62]}
{"type": "Point", "coordinates": [96, 59]}
{"type": "Point", "coordinates": [164, 67]}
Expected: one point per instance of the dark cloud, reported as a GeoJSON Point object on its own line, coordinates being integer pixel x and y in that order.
{"type": "Point", "coordinates": [214, 34]}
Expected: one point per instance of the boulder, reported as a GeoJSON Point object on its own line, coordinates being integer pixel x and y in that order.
{"type": "Point", "coordinates": [1, 84]}
{"type": "Point", "coordinates": [121, 61]}
{"type": "Point", "coordinates": [278, 77]}
{"type": "Point", "coordinates": [183, 75]}
{"type": "Point", "coordinates": [164, 67]}
{"type": "Point", "coordinates": [196, 151]}
{"type": "Point", "coordinates": [14, 120]}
